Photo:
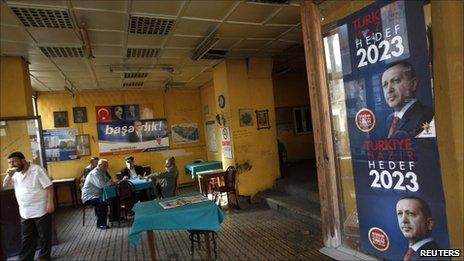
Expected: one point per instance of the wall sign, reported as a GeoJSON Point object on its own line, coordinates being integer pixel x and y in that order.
{"type": "Point", "coordinates": [225, 141]}
{"type": "Point", "coordinates": [389, 106]}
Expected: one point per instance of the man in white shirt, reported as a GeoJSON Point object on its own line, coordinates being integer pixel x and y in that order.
{"type": "Point", "coordinates": [34, 193]}
{"type": "Point", "coordinates": [415, 222]}
{"type": "Point", "coordinates": [92, 191]}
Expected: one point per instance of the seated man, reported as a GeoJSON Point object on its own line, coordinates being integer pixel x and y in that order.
{"type": "Point", "coordinates": [167, 179]}
{"type": "Point", "coordinates": [93, 189]}
{"type": "Point", "coordinates": [131, 170]}
{"type": "Point", "coordinates": [90, 167]}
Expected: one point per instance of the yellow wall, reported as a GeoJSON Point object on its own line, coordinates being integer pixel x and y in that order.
{"type": "Point", "coordinates": [448, 88]}
{"type": "Point", "coordinates": [257, 147]}
{"type": "Point", "coordinates": [246, 86]}
{"type": "Point", "coordinates": [177, 106]}
{"type": "Point", "coordinates": [291, 90]}
{"type": "Point", "coordinates": [15, 88]}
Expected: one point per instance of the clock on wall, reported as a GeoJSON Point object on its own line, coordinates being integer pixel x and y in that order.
{"type": "Point", "coordinates": [221, 101]}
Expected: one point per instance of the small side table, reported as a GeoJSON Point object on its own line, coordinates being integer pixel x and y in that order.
{"type": "Point", "coordinates": [71, 184]}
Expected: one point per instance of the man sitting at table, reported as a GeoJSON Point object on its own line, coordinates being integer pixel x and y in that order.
{"type": "Point", "coordinates": [167, 186]}
{"type": "Point", "coordinates": [131, 170]}
{"type": "Point", "coordinates": [92, 164]}
{"type": "Point", "coordinates": [93, 189]}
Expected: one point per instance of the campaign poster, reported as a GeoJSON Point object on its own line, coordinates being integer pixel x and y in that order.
{"type": "Point", "coordinates": [60, 144]}
{"type": "Point", "coordinates": [391, 125]}
{"type": "Point", "coordinates": [126, 136]}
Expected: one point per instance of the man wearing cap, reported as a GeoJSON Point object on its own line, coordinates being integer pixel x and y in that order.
{"type": "Point", "coordinates": [131, 170]}
{"type": "Point", "coordinates": [34, 193]}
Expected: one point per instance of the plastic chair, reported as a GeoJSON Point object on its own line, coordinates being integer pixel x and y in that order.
{"type": "Point", "coordinates": [229, 186]}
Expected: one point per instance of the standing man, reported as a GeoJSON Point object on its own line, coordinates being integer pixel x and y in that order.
{"type": "Point", "coordinates": [92, 191]}
{"type": "Point", "coordinates": [415, 222]}
{"type": "Point", "coordinates": [34, 193]}
{"type": "Point", "coordinates": [410, 117]}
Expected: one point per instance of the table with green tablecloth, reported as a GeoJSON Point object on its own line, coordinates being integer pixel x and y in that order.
{"type": "Point", "coordinates": [193, 168]}
{"type": "Point", "coordinates": [110, 195]}
{"type": "Point", "coordinates": [150, 215]}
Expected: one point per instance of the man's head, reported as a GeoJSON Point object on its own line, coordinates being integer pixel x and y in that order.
{"type": "Point", "coordinates": [118, 112]}
{"type": "Point", "coordinates": [399, 84]}
{"type": "Point", "coordinates": [138, 125]}
{"type": "Point", "coordinates": [17, 160]}
{"type": "Point", "coordinates": [94, 161]}
{"type": "Point", "coordinates": [102, 165]}
{"type": "Point", "coordinates": [414, 218]}
{"type": "Point", "coordinates": [170, 162]}
{"type": "Point", "coordinates": [132, 109]}
{"type": "Point", "coordinates": [130, 162]}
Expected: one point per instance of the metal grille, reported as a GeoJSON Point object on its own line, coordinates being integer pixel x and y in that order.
{"type": "Point", "coordinates": [141, 52]}
{"type": "Point", "coordinates": [135, 75]}
{"type": "Point", "coordinates": [62, 52]}
{"type": "Point", "coordinates": [150, 25]}
{"type": "Point", "coordinates": [214, 55]}
{"type": "Point", "coordinates": [132, 84]}
{"type": "Point", "coordinates": [38, 17]}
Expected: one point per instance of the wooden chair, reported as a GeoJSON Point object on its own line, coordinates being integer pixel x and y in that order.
{"type": "Point", "coordinates": [127, 197]}
{"type": "Point", "coordinates": [195, 237]}
{"type": "Point", "coordinates": [146, 170]}
{"type": "Point", "coordinates": [229, 186]}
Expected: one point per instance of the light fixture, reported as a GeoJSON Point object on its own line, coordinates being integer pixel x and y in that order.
{"type": "Point", "coordinates": [147, 68]}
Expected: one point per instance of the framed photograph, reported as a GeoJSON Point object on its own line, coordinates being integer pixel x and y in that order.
{"type": "Point", "coordinates": [262, 119]}
{"type": "Point", "coordinates": [246, 117]}
{"type": "Point", "coordinates": [83, 144]}
{"type": "Point", "coordinates": [60, 118]}
{"type": "Point", "coordinates": [80, 114]}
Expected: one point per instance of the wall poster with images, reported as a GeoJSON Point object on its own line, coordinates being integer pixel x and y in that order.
{"type": "Point", "coordinates": [60, 144]}
{"type": "Point", "coordinates": [60, 119]}
{"type": "Point", "coordinates": [83, 144]}
{"type": "Point", "coordinates": [80, 114]}
{"type": "Point", "coordinates": [390, 121]}
{"type": "Point", "coordinates": [124, 129]}
{"type": "Point", "coordinates": [262, 119]}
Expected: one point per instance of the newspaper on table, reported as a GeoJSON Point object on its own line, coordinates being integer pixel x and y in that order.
{"type": "Point", "coordinates": [178, 202]}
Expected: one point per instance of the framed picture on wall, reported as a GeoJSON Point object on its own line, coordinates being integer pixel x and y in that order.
{"type": "Point", "coordinates": [60, 119]}
{"type": "Point", "coordinates": [246, 117]}
{"type": "Point", "coordinates": [262, 119]}
{"type": "Point", "coordinates": [80, 114]}
{"type": "Point", "coordinates": [83, 144]}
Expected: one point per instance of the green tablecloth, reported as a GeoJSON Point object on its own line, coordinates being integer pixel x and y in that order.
{"type": "Point", "coordinates": [193, 168]}
{"type": "Point", "coordinates": [138, 184]}
{"type": "Point", "coordinates": [149, 215]}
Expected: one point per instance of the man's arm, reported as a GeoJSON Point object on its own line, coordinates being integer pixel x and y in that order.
{"type": "Point", "coordinates": [50, 200]}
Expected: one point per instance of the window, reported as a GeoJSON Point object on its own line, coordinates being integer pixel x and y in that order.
{"type": "Point", "coordinates": [302, 120]}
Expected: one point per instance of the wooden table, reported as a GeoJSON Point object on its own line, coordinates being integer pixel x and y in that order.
{"type": "Point", "coordinates": [71, 184]}
{"type": "Point", "coordinates": [205, 176]}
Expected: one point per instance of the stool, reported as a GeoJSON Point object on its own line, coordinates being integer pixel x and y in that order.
{"type": "Point", "coordinates": [195, 237]}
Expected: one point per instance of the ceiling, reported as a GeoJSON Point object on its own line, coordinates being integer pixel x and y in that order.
{"type": "Point", "coordinates": [140, 44]}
